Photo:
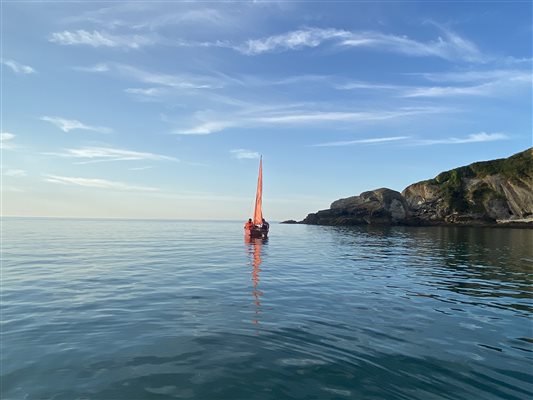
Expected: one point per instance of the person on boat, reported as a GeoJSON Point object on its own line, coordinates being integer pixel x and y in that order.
{"type": "Point", "coordinates": [248, 226]}
{"type": "Point", "coordinates": [265, 225]}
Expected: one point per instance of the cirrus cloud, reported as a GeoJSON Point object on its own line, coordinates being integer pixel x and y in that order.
{"type": "Point", "coordinates": [244, 154]}
{"type": "Point", "coordinates": [361, 141]}
{"type": "Point", "coordinates": [101, 154]}
{"type": "Point", "coordinates": [99, 39]}
{"type": "Point", "coordinates": [301, 117]}
{"type": "Point", "coordinates": [472, 138]}
{"type": "Point", "coordinates": [97, 183]}
{"type": "Point", "coordinates": [161, 80]}
{"type": "Point", "coordinates": [6, 141]}
{"type": "Point", "coordinates": [17, 67]}
{"type": "Point", "coordinates": [450, 47]}
{"type": "Point", "coordinates": [67, 125]}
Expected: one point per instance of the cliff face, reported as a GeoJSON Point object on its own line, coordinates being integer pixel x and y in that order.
{"type": "Point", "coordinates": [380, 206]}
{"type": "Point", "coordinates": [484, 192]}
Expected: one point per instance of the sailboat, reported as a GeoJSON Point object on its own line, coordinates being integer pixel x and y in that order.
{"type": "Point", "coordinates": [258, 230]}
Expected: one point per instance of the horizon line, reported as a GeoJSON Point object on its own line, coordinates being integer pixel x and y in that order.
{"type": "Point", "coordinates": [124, 218]}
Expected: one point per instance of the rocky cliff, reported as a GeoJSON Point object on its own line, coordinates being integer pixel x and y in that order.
{"type": "Point", "coordinates": [481, 193]}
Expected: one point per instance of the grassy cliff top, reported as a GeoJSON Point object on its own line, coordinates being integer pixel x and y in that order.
{"type": "Point", "coordinates": [516, 167]}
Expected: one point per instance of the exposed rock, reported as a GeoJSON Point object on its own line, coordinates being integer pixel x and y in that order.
{"type": "Point", "coordinates": [480, 193]}
{"type": "Point", "coordinates": [380, 206]}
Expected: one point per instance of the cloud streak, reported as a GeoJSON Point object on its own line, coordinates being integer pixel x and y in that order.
{"type": "Point", "coordinates": [100, 39]}
{"type": "Point", "coordinates": [206, 128]}
{"type": "Point", "coordinates": [148, 92]}
{"type": "Point", "coordinates": [244, 154]}
{"type": "Point", "coordinates": [294, 40]}
{"type": "Point", "coordinates": [450, 47]}
{"type": "Point", "coordinates": [6, 141]}
{"type": "Point", "coordinates": [467, 83]}
{"type": "Point", "coordinates": [97, 183]}
{"type": "Point", "coordinates": [67, 125]}
{"type": "Point", "coordinates": [174, 81]}
{"type": "Point", "coordinates": [101, 154]}
{"type": "Point", "coordinates": [361, 141]}
{"type": "Point", "coordinates": [478, 75]}
{"type": "Point", "coordinates": [101, 67]}
{"type": "Point", "coordinates": [445, 91]}
{"type": "Point", "coordinates": [473, 138]}
{"type": "Point", "coordinates": [18, 68]}
{"type": "Point", "coordinates": [299, 117]}
{"type": "Point", "coordinates": [208, 16]}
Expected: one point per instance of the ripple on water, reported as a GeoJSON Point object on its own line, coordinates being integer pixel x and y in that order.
{"type": "Point", "coordinates": [173, 309]}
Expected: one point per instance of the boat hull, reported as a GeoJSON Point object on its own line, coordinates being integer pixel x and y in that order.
{"type": "Point", "coordinates": [257, 233]}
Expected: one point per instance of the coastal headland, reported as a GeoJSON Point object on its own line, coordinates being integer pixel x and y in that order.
{"type": "Point", "coordinates": [488, 193]}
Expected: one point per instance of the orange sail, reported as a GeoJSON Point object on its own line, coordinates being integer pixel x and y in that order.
{"type": "Point", "coordinates": [258, 212]}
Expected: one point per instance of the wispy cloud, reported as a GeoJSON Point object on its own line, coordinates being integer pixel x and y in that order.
{"type": "Point", "coordinates": [101, 154]}
{"type": "Point", "coordinates": [18, 68]}
{"type": "Point", "coordinates": [354, 85]}
{"type": "Point", "coordinates": [361, 141]}
{"type": "Point", "coordinates": [473, 138]}
{"type": "Point", "coordinates": [450, 47]}
{"type": "Point", "coordinates": [96, 183]}
{"type": "Point", "coordinates": [294, 40]}
{"type": "Point", "coordinates": [140, 168]}
{"type": "Point", "coordinates": [67, 125]}
{"type": "Point", "coordinates": [478, 75]}
{"type": "Point", "coordinates": [149, 92]}
{"type": "Point", "coordinates": [300, 117]}
{"type": "Point", "coordinates": [206, 15]}
{"type": "Point", "coordinates": [181, 81]}
{"type": "Point", "coordinates": [421, 91]}
{"type": "Point", "coordinates": [444, 91]}
{"type": "Point", "coordinates": [6, 141]}
{"type": "Point", "coordinates": [335, 116]}
{"type": "Point", "coordinates": [101, 67]}
{"type": "Point", "coordinates": [510, 60]}
{"type": "Point", "coordinates": [175, 81]}
{"type": "Point", "coordinates": [100, 39]}
{"type": "Point", "coordinates": [206, 128]}
{"type": "Point", "coordinates": [15, 172]}
{"type": "Point", "coordinates": [244, 154]}
{"type": "Point", "coordinates": [482, 83]}
{"type": "Point", "coordinates": [107, 15]}
{"type": "Point", "coordinates": [152, 16]}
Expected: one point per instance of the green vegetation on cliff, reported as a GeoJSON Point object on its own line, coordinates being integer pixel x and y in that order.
{"type": "Point", "coordinates": [482, 193]}
{"type": "Point", "coordinates": [515, 167]}
{"type": "Point", "coordinates": [452, 187]}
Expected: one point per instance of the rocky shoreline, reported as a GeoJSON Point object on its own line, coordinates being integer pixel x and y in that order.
{"type": "Point", "coordinates": [490, 193]}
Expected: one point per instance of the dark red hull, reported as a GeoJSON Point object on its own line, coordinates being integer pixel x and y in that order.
{"type": "Point", "coordinates": [257, 233]}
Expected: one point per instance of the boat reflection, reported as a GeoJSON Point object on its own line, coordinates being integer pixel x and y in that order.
{"type": "Point", "coordinates": [254, 247]}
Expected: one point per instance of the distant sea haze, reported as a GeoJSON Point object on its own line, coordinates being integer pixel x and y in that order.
{"type": "Point", "coordinates": [138, 309]}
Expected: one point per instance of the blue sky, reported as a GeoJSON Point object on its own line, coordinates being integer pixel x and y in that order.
{"type": "Point", "coordinates": [161, 109]}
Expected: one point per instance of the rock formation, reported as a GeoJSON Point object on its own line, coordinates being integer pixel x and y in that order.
{"type": "Point", "coordinates": [481, 193]}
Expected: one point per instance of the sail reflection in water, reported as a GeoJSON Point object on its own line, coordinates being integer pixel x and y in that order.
{"type": "Point", "coordinates": [254, 250]}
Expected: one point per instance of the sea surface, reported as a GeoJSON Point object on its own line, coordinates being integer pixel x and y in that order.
{"type": "Point", "coordinates": [131, 309]}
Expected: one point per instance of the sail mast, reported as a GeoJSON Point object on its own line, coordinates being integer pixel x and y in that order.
{"type": "Point", "coordinates": [258, 211]}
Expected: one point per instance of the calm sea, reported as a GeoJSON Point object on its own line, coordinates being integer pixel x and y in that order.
{"type": "Point", "coordinates": [116, 309]}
